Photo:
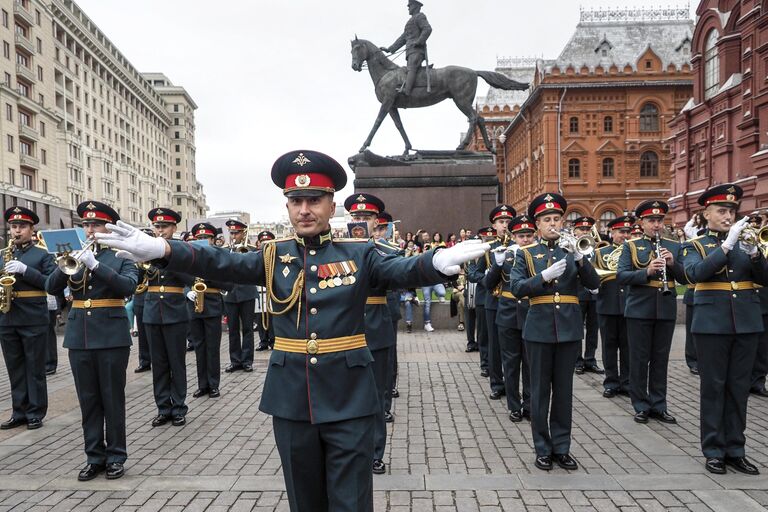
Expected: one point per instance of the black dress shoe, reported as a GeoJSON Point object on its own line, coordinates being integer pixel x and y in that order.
{"type": "Point", "coordinates": [472, 347]}
{"type": "Point", "coordinates": [262, 348]}
{"type": "Point", "coordinates": [544, 462]}
{"type": "Point", "coordinates": [527, 414]}
{"type": "Point", "coordinates": [34, 424]}
{"type": "Point", "coordinates": [232, 368]}
{"type": "Point", "coordinates": [742, 465]}
{"type": "Point", "coordinates": [565, 461]}
{"type": "Point", "coordinates": [160, 420]}
{"type": "Point", "coordinates": [579, 370]}
{"type": "Point", "coordinates": [379, 468]}
{"type": "Point", "coordinates": [50, 371]}
{"type": "Point", "coordinates": [388, 418]}
{"type": "Point", "coordinates": [214, 393]}
{"type": "Point", "coordinates": [199, 392]}
{"type": "Point", "coordinates": [759, 392]}
{"type": "Point", "coordinates": [623, 392]}
{"type": "Point", "coordinates": [142, 369]}
{"type": "Point", "coordinates": [13, 423]}
{"type": "Point", "coordinates": [715, 465]}
{"type": "Point", "coordinates": [179, 420]}
{"type": "Point", "coordinates": [484, 373]}
{"type": "Point", "coordinates": [115, 470]}
{"type": "Point", "coordinates": [395, 393]}
{"type": "Point", "coordinates": [662, 416]}
{"type": "Point", "coordinates": [496, 395]}
{"type": "Point", "coordinates": [515, 416]}
{"type": "Point", "coordinates": [641, 417]}
{"type": "Point", "coordinates": [90, 471]}
{"type": "Point", "coordinates": [694, 370]}
{"type": "Point", "coordinates": [247, 368]}
{"type": "Point", "coordinates": [610, 393]}
{"type": "Point", "coordinates": [593, 368]}
{"type": "Point", "coordinates": [190, 348]}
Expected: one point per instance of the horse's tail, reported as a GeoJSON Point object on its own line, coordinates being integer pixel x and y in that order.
{"type": "Point", "coordinates": [500, 81]}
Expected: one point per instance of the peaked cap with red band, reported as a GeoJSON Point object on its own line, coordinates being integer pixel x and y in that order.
{"type": "Point", "coordinates": [384, 218]}
{"type": "Point", "coordinates": [652, 208]}
{"type": "Point", "coordinates": [235, 225]}
{"type": "Point", "coordinates": [486, 232]}
{"type": "Point", "coordinates": [503, 211]}
{"type": "Point", "coordinates": [265, 235]}
{"type": "Point", "coordinates": [726, 194]}
{"type": "Point", "coordinates": [94, 211]}
{"type": "Point", "coordinates": [204, 229]}
{"type": "Point", "coordinates": [364, 203]}
{"type": "Point", "coordinates": [521, 223]}
{"type": "Point", "coordinates": [164, 215]}
{"type": "Point", "coordinates": [624, 222]}
{"type": "Point", "coordinates": [21, 214]}
{"type": "Point", "coordinates": [547, 203]}
{"type": "Point", "coordinates": [637, 229]}
{"type": "Point", "coordinates": [584, 222]}
{"type": "Point", "coordinates": [307, 173]}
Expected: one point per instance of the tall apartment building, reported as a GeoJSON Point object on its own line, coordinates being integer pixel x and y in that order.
{"type": "Point", "coordinates": [80, 122]}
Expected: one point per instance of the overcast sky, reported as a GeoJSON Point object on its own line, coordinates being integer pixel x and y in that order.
{"type": "Point", "coordinates": [269, 77]}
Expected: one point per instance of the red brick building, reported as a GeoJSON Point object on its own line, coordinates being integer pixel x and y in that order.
{"type": "Point", "coordinates": [594, 124]}
{"type": "Point", "coordinates": [722, 133]}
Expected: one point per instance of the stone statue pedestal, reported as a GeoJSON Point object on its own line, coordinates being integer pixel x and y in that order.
{"type": "Point", "coordinates": [440, 191]}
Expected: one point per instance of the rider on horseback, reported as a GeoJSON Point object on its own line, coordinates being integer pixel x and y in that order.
{"type": "Point", "coordinates": [414, 37]}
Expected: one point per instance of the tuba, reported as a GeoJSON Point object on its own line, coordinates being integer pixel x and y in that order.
{"type": "Point", "coordinates": [7, 280]}
{"type": "Point", "coordinates": [199, 287]}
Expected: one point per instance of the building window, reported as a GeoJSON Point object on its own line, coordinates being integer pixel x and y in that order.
{"type": "Point", "coordinates": [608, 124]}
{"type": "Point", "coordinates": [40, 73]}
{"type": "Point", "coordinates": [175, 108]}
{"type": "Point", "coordinates": [178, 148]}
{"type": "Point", "coordinates": [39, 46]}
{"type": "Point", "coordinates": [45, 186]}
{"type": "Point", "coordinates": [711, 65]}
{"type": "Point", "coordinates": [608, 168]}
{"type": "Point", "coordinates": [649, 118]}
{"type": "Point", "coordinates": [574, 168]}
{"type": "Point", "coordinates": [25, 148]}
{"type": "Point", "coordinates": [9, 112]}
{"type": "Point", "coordinates": [7, 80]}
{"type": "Point", "coordinates": [573, 125]}
{"type": "Point", "coordinates": [606, 217]}
{"type": "Point", "coordinates": [178, 161]}
{"type": "Point", "coordinates": [5, 18]}
{"type": "Point", "coordinates": [42, 129]}
{"type": "Point", "coordinates": [24, 118]}
{"type": "Point", "coordinates": [43, 157]}
{"type": "Point", "coordinates": [6, 50]}
{"type": "Point", "coordinates": [11, 176]}
{"type": "Point", "coordinates": [178, 201]}
{"type": "Point", "coordinates": [649, 165]}
{"type": "Point", "coordinates": [23, 89]}
{"type": "Point", "coordinates": [178, 175]}
{"type": "Point", "coordinates": [27, 181]}
{"type": "Point", "coordinates": [9, 144]}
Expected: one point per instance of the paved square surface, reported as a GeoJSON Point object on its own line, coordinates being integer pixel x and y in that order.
{"type": "Point", "coordinates": [451, 448]}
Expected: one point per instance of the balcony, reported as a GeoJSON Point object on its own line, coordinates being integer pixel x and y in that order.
{"type": "Point", "coordinates": [24, 43]}
{"type": "Point", "coordinates": [25, 73]}
{"type": "Point", "coordinates": [29, 161]}
{"type": "Point", "coordinates": [28, 132]}
{"type": "Point", "coordinates": [22, 14]}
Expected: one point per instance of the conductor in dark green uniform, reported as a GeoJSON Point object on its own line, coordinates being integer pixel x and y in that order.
{"type": "Point", "coordinates": [24, 327]}
{"type": "Point", "coordinates": [240, 306]}
{"type": "Point", "coordinates": [726, 325]}
{"type": "Point", "coordinates": [320, 388]}
{"type": "Point", "coordinates": [98, 337]}
{"type": "Point", "coordinates": [650, 310]}
{"type": "Point", "coordinates": [550, 273]}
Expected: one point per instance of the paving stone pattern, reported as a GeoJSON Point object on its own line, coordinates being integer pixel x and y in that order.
{"type": "Point", "coordinates": [451, 448]}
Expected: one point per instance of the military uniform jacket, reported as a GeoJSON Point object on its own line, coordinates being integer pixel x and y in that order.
{"type": "Point", "coordinates": [213, 304]}
{"type": "Point", "coordinates": [644, 299]}
{"type": "Point", "coordinates": [734, 309]}
{"type": "Point", "coordinates": [612, 297]}
{"type": "Point", "coordinates": [417, 30]}
{"type": "Point", "coordinates": [326, 387]}
{"type": "Point", "coordinates": [511, 311]}
{"type": "Point", "coordinates": [97, 327]}
{"type": "Point", "coordinates": [763, 293]}
{"type": "Point", "coordinates": [476, 274]}
{"type": "Point", "coordinates": [242, 292]}
{"type": "Point", "coordinates": [379, 331]}
{"type": "Point", "coordinates": [584, 294]}
{"type": "Point", "coordinates": [138, 298]}
{"type": "Point", "coordinates": [30, 310]}
{"type": "Point", "coordinates": [164, 307]}
{"type": "Point", "coordinates": [551, 322]}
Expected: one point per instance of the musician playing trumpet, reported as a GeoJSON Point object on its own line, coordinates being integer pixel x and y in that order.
{"type": "Point", "coordinates": [24, 327]}
{"type": "Point", "coordinates": [726, 269]}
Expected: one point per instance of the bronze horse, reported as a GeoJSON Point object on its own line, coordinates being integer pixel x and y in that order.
{"type": "Point", "coordinates": [455, 82]}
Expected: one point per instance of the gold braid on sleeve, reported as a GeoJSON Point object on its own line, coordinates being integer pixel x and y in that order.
{"type": "Point", "coordinates": [270, 251]}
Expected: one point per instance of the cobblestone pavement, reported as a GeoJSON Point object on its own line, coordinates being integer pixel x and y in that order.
{"type": "Point", "coordinates": [451, 448]}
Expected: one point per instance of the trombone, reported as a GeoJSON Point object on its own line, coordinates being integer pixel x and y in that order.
{"type": "Point", "coordinates": [241, 248]}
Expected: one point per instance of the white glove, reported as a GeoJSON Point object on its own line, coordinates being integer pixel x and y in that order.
{"type": "Point", "coordinates": [595, 291]}
{"type": "Point", "coordinates": [577, 256]}
{"type": "Point", "coordinates": [734, 232]}
{"type": "Point", "coordinates": [690, 229]}
{"type": "Point", "coordinates": [554, 271]}
{"type": "Point", "coordinates": [750, 249]}
{"type": "Point", "coordinates": [87, 258]}
{"type": "Point", "coordinates": [132, 243]}
{"type": "Point", "coordinates": [448, 261]}
{"type": "Point", "coordinates": [500, 257]}
{"type": "Point", "coordinates": [192, 295]}
{"type": "Point", "coordinates": [15, 267]}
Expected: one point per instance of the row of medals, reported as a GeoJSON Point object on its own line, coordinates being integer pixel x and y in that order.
{"type": "Point", "coordinates": [333, 282]}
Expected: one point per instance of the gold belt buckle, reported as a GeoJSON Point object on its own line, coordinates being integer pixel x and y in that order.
{"type": "Point", "coordinates": [734, 285]}
{"type": "Point", "coordinates": [312, 347]}
{"type": "Point", "coordinates": [557, 298]}
{"type": "Point", "coordinates": [162, 288]}
{"type": "Point", "coordinates": [87, 304]}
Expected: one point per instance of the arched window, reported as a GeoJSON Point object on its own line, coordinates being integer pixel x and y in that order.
{"type": "Point", "coordinates": [573, 125]}
{"type": "Point", "coordinates": [649, 118]}
{"type": "Point", "coordinates": [608, 124]}
{"type": "Point", "coordinates": [608, 168]}
{"type": "Point", "coordinates": [574, 168]}
{"type": "Point", "coordinates": [649, 165]}
{"type": "Point", "coordinates": [606, 217]}
{"type": "Point", "coordinates": [711, 65]}
{"type": "Point", "coordinates": [572, 216]}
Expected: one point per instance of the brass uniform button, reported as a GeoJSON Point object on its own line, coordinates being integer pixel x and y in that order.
{"type": "Point", "coordinates": [89, 313]}
{"type": "Point", "coordinates": [312, 347]}
{"type": "Point", "coordinates": [313, 336]}
{"type": "Point", "coordinates": [312, 252]}
{"type": "Point", "coordinates": [313, 290]}
{"type": "Point", "coordinates": [162, 288]}
{"type": "Point", "coordinates": [313, 360]}
{"type": "Point", "coordinates": [313, 311]}
{"type": "Point", "coordinates": [87, 304]}
{"type": "Point", "coordinates": [734, 285]}
{"type": "Point", "coordinates": [313, 268]}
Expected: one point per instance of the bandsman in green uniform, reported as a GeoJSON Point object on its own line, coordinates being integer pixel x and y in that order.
{"type": "Point", "coordinates": [587, 362]}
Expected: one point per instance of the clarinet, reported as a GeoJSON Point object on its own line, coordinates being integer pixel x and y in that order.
{"type": "Point", "coordinates": [664, 286]}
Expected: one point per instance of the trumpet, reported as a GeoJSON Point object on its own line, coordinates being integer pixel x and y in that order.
{"type": "Point", "coordinates": [569, 242]}
{"type": "Point", "coordinates": [241, 248]}
{"type": "Point", "coordinates": [71, 265]}
{"type": "Point", "coordinates": [756, 237]}
{"type": "Point", "coordinates": [199, 287]}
